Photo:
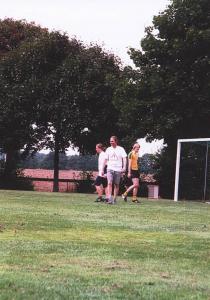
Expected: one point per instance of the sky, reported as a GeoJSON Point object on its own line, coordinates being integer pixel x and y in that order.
{"type": "Point", "coordinates": [116, 25]}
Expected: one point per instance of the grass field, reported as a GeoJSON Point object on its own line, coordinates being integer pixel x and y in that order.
{"type": "Point", "coordinates": [65, 246]}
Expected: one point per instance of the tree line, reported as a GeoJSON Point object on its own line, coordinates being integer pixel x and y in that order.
{"type": "Point", "coordinates": [55, 91]}
{"type": "Point", "coordinates": [79, 162]}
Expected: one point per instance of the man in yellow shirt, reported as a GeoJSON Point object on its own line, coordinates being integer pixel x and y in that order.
{"type": "Point", "coordinates": [133, 173]}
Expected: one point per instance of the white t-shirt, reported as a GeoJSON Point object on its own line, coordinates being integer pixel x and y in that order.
{"type": "Point", "coordinates": [101, 159]}
{"type": "Point", "coordinates": [115, 157]}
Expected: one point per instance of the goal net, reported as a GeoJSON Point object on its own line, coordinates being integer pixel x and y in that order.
{"type": "Point", "coordinates": [192, 180]}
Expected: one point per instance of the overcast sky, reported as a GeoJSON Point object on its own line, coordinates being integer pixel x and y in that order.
{"type": "Point", "coordinates": [115, 24]}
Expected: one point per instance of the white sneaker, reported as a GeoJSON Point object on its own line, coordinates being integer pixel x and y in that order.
{"type": "Point", "coordinates": [110, 201]}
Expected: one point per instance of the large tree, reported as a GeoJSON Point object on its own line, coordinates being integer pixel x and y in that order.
{"type": "Point", "coordinates": [15, 109]}
{"type": "Point", "coordinates": [15, 32]}
{"type": "Point", "coordinates": [54, 92]}
{"type": "Point", "coordinates": [174, 64]}
{"type": "Point", "coordinates": [172, 77]}
{"type": "Point", "coordinates": [77, 101]}
{"type": "Point", "coordinates": [23, 70]}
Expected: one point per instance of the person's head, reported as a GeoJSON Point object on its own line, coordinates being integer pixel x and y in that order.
{"type": "Point", "coordinates": [136, 147]}
{"type": "Point", "coordinates": [114, 141]}
{"type": "Point", "coordinates": [99, 148]}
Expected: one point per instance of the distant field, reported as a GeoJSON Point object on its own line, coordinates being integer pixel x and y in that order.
{"type": "Point", "coordinates": [65, 246]}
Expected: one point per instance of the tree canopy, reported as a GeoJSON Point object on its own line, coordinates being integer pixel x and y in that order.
{"type": "Point", "coordinates": [17, 100]}
{"type": "Point", "coordinates": [173, 72]}
{"type": "Point", "coordinates": [54, 91]}
{"type": "Point", "coordinates": [169, 89]}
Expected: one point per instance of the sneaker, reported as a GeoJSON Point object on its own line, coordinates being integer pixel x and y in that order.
{"type": "Point", "coordinates": [135, 201]}
{"type": "Point", "coordinates": [110, 201]}
{"type": "Point", "coordinates": [124, 197]}
{"type": "Point", "coordinates": [99, 199]}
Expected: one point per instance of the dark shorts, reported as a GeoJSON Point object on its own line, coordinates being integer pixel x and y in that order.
{"type": "Point", "coordinates": [101, 181]}
{"type": "Point", "coordinates": [135, 174]}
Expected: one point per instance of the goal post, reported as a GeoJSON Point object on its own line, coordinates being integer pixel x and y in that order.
{"type": "Point", "coordinates": [205, 143]}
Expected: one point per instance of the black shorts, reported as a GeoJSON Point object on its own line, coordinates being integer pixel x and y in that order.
{"type": "Point", "coordinates": [101, 181]}
{"type": "Point", "coordinates": [135, 174]}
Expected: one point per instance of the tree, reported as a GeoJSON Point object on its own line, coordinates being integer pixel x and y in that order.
{"type": "Point", "coordinates": [172, 76]}
{"type": "Point", "coordinates": [15, 109]}
{"type": "Point", "coordinates": [174, 67]}
{"type": "Point", "coordinates": [77, 101]}
{"type": "Point", "coordinates": [23, 71]}
{"type": "Point", "coordinates": [55, 92]}
{"type": "Point", "coordinates": [100, 75]}
{"type": "Point", "coordinates": [147, 163]}
{"type": "Point", "coordinates": [13, 33]}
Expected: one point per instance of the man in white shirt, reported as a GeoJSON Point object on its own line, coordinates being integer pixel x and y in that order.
{"type": "Point", "coordinates": [116, 159]}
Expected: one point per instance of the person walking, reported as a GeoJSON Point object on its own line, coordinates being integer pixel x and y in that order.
{"type": "Point", "coordinates": [116, 159]}
{"type": "Point", "coordinates": [133, 173]}
{"type": "Point", "coordinates": [101, 180]}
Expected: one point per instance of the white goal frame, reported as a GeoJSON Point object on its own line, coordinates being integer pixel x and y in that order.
{"type": "Point", "coordinates": [179, 142]}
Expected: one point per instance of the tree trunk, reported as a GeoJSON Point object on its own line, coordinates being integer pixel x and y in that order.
{"type": "Point", "coordinates": [10, 164]}
{"type": "Point", "coordinates": [56, 165]}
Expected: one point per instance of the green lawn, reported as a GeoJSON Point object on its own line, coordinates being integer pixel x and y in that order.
{"type": "Point", "coordinates": [65, 246]}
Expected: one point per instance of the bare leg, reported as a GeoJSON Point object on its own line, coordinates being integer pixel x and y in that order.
{"type": "Point", "coordinates": [133, 187]}
{"type": "Point", "coordinates": [99, 190]}
{"type": "Point", "coordinates": [109, 189]}
{"type": "Point", "coordinates": [136, 186]}
{"type": "Point", "coordinates": [107, 192]}
{"type": "Point", "coordinates": [130, 188]}
{"type": "Point", "coordinates": [116, 190]}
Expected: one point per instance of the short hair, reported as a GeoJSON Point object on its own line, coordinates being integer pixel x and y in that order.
{"type": "Point", "coordinates": [100, 146]}
{"type": "Point", "coordinates": [114, 137]}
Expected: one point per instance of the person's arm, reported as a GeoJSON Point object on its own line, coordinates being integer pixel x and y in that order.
{"type": "Point", "coordinates": [101, 165]}
{"type": "Point", "coordinates": [124, 164]}
{"type": "Point", "coordinates": [104, 165]}
{"type": "Point", "coordinates": [124, 155]}
{"type": "Point", "coordinates": [106, 156]}
{"type": "Point", "coordinates": [129, 167]}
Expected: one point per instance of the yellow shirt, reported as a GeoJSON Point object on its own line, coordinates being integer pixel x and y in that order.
{"type": "Point", "coordinates": [133, 156]}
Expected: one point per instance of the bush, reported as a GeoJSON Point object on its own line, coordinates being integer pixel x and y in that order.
{"type": "Point", "coordinates": [143, 190]}
{"type": "Point", "coordinates": [86, 185]}
{"type": "Point", "coordinates": [16, 181]}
